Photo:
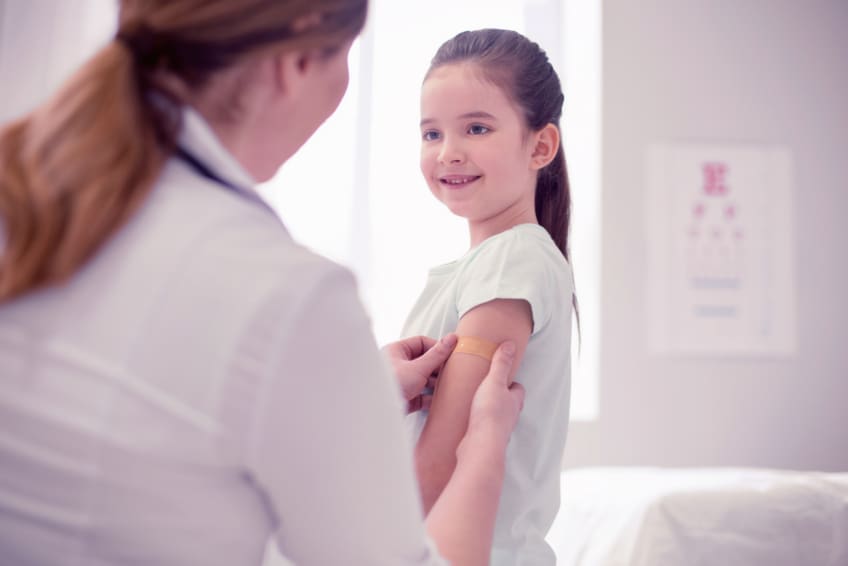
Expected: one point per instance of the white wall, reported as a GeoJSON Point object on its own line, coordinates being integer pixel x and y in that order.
{"type": "Point", "coordinates": [763, 71]}
{"type": "Point", "coordinates": [42, 42]}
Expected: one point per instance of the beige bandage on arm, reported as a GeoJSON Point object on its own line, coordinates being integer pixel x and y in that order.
{"type": "Point", "coordinates": [476, 347]}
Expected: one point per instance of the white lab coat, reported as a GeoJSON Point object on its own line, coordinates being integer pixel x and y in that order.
{"type": "Point", "coordinates": [203, 384]}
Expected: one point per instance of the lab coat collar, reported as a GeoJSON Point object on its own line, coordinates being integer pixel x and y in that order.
{"type": "Point", "coordinates": [198, 139]}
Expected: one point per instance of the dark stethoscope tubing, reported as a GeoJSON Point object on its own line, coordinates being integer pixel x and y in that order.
{"type": "Point", "coordinates": [207, 172]}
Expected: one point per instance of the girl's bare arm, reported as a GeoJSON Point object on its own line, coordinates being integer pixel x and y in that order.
{"type": "Point", "coordinates": [435, 454]}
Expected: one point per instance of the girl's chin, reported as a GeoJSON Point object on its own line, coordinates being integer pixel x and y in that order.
{"type": "Point", "coordinates": [463, 207]}
{"type": "Point", "coordinates": [459, 209]}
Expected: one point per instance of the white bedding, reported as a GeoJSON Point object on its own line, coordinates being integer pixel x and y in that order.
{"type": "Point", "coordinates": [701, 517]}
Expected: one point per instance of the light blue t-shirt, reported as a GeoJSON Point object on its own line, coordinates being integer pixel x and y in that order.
{"type": "Point", "coordinates": [520, 263]}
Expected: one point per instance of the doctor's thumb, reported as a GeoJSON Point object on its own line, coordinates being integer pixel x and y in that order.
{"type": "Point", "coordinates": [502, 361]}
{"type": "Point", "coordinates": [432, 359]}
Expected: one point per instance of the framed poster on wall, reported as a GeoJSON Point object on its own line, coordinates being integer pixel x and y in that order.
{"type": "Point", "coordinates": [720, 271]}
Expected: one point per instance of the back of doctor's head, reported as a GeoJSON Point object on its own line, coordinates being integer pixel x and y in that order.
{"type": "Point", "coordinates": [521, 69]}
{"type": "Point", "coordinates": [75, 169]}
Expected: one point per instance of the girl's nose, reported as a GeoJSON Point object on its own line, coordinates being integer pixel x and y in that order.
{"type": "Point", "coordinates": [451, 153]}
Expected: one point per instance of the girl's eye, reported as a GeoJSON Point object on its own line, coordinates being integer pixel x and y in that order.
{"type": "Point", "coordinates": [478, 130]}
{"type": "Point", "coordinates": [430, 135]}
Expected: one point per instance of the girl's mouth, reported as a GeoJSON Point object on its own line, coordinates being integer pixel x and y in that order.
{"type": "Point", "coordinates": [458, 181]}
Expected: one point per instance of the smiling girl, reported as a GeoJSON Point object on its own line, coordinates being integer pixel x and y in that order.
{"type": "Point", "coordinates": [491, 153]}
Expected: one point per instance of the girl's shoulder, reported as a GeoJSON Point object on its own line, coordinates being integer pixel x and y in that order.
{"type": "Point", "coordinates": [527, 245]}
{"type": "Point", "coordinates": [520, 263]}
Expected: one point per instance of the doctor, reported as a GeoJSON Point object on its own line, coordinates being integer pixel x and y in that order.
{"type": "Point", "coordinates": [179, 379]}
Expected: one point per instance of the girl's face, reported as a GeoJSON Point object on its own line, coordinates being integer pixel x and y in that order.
{"type": "Point", "coordinates": [475, 149]}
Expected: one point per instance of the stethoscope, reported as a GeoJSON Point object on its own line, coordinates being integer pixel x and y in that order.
{"type": "Point", "coordinates": [206, 172]}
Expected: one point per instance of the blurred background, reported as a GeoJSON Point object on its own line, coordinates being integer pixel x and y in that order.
{"type": "Point", "coordinates": [693, 73]}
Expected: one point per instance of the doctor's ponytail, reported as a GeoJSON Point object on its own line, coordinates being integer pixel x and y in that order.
{"type": "Point", "coordinates": [75, 170]}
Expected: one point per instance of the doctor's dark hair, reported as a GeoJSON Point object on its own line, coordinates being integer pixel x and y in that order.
{"type": "Point", "coordinates": [520, 68]}
{"type": "Point", "coordinates": [75, 169]}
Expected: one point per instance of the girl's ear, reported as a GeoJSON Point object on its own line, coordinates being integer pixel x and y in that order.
{"type": "Point", "coordinates": [545, 146]}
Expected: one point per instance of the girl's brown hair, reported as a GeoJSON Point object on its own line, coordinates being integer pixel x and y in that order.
{"type": "Point", "coordinates": [521, 69]}
{"type": "Point", "coordinates": [76, 168]}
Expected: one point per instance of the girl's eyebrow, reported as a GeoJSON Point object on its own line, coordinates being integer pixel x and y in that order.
{"type": "Point", "coordinates": [476, 114]}
{"type": "Point", "coordinates": [466, 116]}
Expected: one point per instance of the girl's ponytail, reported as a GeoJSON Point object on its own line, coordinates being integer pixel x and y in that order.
{"type": "Point", "coordinates": [553, 203]}
{"type": "Point", "coordinates": [74, 170]}
{"type": "Point", "coordinates": [553, 209]}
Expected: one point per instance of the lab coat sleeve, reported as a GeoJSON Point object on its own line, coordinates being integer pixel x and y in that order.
{"type": "Point", "coordinates": [329, 448]}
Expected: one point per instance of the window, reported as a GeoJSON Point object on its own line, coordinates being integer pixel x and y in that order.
{"type": "Point", "coordinates": [370, 208]}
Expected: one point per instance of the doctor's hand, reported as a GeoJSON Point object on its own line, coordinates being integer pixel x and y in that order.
{"type": "Point", "coordinates": [497, 403]}
{"type": "Point", "coordinates": [416, 362]}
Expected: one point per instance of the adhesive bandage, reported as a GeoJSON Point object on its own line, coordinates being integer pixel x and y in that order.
{"type": "Point", "coordinates": [476, 347]}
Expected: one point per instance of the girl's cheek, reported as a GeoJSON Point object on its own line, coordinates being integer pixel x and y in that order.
{"type": "Point", "coordinates": [428, 156]}
{"type": "Point", "coordinates": [424, 162]}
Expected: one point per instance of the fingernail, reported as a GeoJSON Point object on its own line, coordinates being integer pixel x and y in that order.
{"type": "Point", "coordinates": [508, 348]}
{"type": "Point", "coordinates": [449, 340]}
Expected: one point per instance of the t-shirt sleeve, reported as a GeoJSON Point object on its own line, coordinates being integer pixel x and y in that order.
{"type": "Point", "coordinates": [509, 267]}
